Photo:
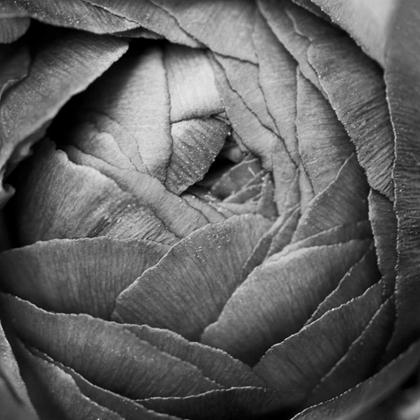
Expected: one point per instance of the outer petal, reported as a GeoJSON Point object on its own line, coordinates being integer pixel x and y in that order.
{"type": "Point", "coordinates": [62, 68]}
{"type": "Point", "coordinates": [403, 88]}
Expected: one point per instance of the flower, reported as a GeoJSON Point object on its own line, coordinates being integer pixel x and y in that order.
{"type": "Point", "coordinates": [210, 227]}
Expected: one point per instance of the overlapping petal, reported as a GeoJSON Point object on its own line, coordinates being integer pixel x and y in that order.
{"type": "Point", "coordinates": [241, 175]}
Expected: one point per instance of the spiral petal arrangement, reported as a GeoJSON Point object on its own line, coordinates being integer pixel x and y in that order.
{"type": "Point", "coordinates": [218, 219]}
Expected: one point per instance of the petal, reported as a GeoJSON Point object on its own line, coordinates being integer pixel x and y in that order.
{"type": "Point", "coordinates": [188, 288]}
{"type": "Point", "coordinates": [207, 209]}
{"type": "Point", "coordinates": [323, 143]}
{"type": "Point", "coordinates": [355, 282]}
{"type": "Point", "coordinates": [335, 235]}
{"type": "Point", "coordinates": [312, 7]}
{"type": "Point", "coordinates": [384, 226]}
{"type": "Point", "coordinates": [76, 14]}
{"type": "Point", "coordinates": [278, 236]}
{"type": "Point", "coordinates": [54, 392]}
{"type": "Point", "coordinates": [214, 363]}
{"type": "Point", "coordinates": [105, 353]}
{"type": "Point", "coordinates": [402, 81]}
{"type": "Point", "coordinates": [360, 105]}
{"type": "Point", "coordinates": [228, 25]}
{"type": "Point", "coordinates": [173, 211]}
{"type": "Point", "coordinates": [368, 22]}
{"type": "Point", "coordinates": [252, 134]}
{"type": "Point", "coordinates": [274, 12]}
{"type": "Point", "coordinates": [342, 202]}
{"type": "Point", "coordinates": [192, 88]}
{"type": "Point", "coordinates": [365, 395]}
{"type": "Point", "coordinates": [234, 179]}
{"type": "Point", "coordinates": [12, 29]}
{"type": "Point", "coordinates": [278, 297]}
{"type": "Point", "coordinates": [80, 202]}
{"type": "Point", "coordinates": [147, 15]}
{"type": "Point", "coordinates": [14, 400]}
{"type": "Point", "coordinates": [227, 404]}
{"type": "Point", "coordinates": [301, 361]}
{"type": "Point", "coordinates": [283, 237]}
{"type": "Point", "coordinates": [15, 65]}
{"type": "Point", "coordinates": [62, 68]}
{"type": "Point", "coordinates": [136, 99]}
{"type": "Point", "coordinates": [363, 353]}
{"type": "Point", "coordinates": [79, 276]}
{"type": "Point", "coordinates": [196, 143]}
{"type": "Point", "coordinates": [243, 78]}
{"type": "Point", "coordinates": [277, 77]}
{"type": "Point", "coordinates": [128, 409]}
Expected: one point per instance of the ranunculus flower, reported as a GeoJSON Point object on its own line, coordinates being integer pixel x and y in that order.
{"type": "Point", "coordinates": [220, 216]}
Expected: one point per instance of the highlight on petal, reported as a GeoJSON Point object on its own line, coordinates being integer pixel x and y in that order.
{"type": "Point", "coordinates": [368, 22]}
{"type": "Point", "coordinates": [188, 288]}
{"type": "Point", "coordinates": [77, 276]}
{"type": "Point", "coordinates": [12, 29]}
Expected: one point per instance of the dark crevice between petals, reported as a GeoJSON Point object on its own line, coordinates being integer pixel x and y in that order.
{"type": "Point", "coordinates": [61, 68]}
{"type": "Point", "coordinates": [11, 29]}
